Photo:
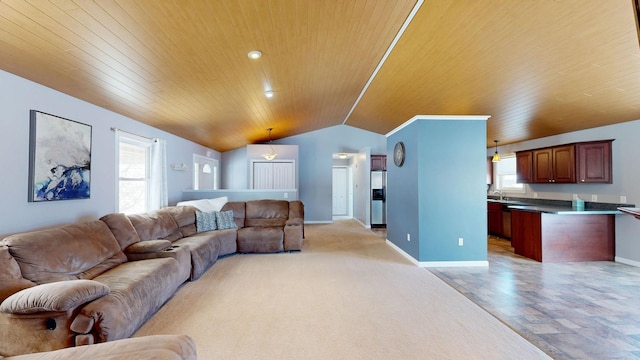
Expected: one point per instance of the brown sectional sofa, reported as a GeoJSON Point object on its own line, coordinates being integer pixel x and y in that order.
{"type": "Point", "coordinates": [153, 347]}
{"type": "Point", "coordinates": [100, 281]}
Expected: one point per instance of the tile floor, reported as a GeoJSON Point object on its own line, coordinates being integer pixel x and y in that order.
{"type": "Point", "coordinates": [569, 310]}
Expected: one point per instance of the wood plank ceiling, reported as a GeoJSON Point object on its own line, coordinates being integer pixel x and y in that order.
{"type": "Point", "coordinates": [538, 68]}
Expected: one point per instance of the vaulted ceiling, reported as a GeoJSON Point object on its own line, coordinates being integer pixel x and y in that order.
{"type": "Point", "coordinates": [539, 68]}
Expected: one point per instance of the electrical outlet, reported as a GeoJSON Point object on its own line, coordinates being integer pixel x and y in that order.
{"type": "Point", "coordinates": [408, 237]}
{"type": "Point", "coordinates": [535, 195]}
{"type": "Point", "coordinates": [460, 241]}
{"type": "Point", "coordinates": [623, 199]}
{"type": "Point", "coordinates": [594, 197]}
{"type": "Point", "coordinates": [286, 195]}
{"type": "Point", "coordinates": [575, 196]}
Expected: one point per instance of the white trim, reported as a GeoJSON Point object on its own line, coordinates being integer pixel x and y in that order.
{"type": "Point", "coordinates": [426, 264]}
{"type": "Point", "coordinates": [627, 261]}
{"type": "Point", "coordinates": [437, 117]}
{"type": "Point", "coordinates": [384, 57]}
{"type": "Point", "coordinates": [342, 217]}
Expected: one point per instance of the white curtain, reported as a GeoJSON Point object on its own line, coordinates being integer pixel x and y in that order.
{"type": "Point", "coordinates": [158, 194]}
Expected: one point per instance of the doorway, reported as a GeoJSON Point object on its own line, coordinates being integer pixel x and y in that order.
{"type": "Point", "coordinates": [342, 187]}
{"type": "Point", "coordinates": [205, 173]}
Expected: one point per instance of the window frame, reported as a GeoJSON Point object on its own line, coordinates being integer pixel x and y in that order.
{"type": "Point", "coordinates": [141, 142]}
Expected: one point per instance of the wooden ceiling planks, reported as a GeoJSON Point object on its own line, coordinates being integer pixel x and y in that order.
{"type": "Point", "coordinates": [538, 68]}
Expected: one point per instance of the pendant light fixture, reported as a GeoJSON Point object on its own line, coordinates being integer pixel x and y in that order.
{"type": "Point", "coordinates": [272, 155]}
{"type": "Point", "coordinates": [496, 156]}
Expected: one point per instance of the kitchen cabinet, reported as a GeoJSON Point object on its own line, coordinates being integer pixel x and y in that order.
{"type": "Point", "coordinates": [554, 165]}
{"type": "Point", "coordinates": [378, 162]}
{"type": "Point", "coordinates": [582, 163]}
{"type": "Point", "coordinates": [524, 167]}
{"type": "Point", "coordinates": [594, 162]}
{"type": "Point", "coordinates": [494, 218]}
{"type": "Point", "coordinates": [548, 237]}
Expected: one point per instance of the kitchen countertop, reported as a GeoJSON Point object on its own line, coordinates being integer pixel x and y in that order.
{"type": "Point", "coordinates": [554, 207]}
{"type": "Point", "coordinates": [560, 210]}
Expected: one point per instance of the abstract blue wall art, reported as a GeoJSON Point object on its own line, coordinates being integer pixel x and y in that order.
{"type": "Point", "coordinates": [59, 158]}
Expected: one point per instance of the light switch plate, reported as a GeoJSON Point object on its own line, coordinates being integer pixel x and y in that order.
{"type": "Point", "coordinates": [594, 197]}
{"type": "Point", "coordinates": [623, 199]}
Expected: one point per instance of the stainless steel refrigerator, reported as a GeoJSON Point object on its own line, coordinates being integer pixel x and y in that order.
{"type": "Point", "coordinates": [378, 199]}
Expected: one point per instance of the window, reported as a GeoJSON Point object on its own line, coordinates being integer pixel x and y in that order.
{"type": "Point", "coordinates": [133, 174]}
{"type": "Point", "coordinates": [505, 174]}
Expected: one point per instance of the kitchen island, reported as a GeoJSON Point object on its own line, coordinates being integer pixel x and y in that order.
{"type": "Point", "coordinates": [562, 234]}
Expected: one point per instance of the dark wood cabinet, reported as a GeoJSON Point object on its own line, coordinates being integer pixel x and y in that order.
{"type": "Point", "coordinates": [524, 167]}
{"type": "Point", "coordinates": [594, 162]}
{"type": "Point", "coordinates": [561, 238]}
{"type": "Point", "coordinates": [554, 165]}
{"type": "Point", "coordinates": [582, 163]}
{"type": "Point", "coordinates": [494, 218]}
{"type": "Point", "coordinates": [378, 162]}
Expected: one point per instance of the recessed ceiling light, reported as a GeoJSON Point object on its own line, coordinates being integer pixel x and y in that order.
{"type": "Point", "coordinates": [254, 54]}
{"type": "Point", "coordinates": [268, 93]}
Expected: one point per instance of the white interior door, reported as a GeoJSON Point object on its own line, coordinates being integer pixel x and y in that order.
{"type": "Point", "coordinates": [340, 191]}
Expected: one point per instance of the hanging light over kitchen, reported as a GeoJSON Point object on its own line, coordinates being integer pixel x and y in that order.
{"type": "Point", "coordinates": [496, 156]}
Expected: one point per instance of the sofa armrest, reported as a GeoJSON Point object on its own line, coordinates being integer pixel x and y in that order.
{"type": "Point", "coordinates": [56, 296]}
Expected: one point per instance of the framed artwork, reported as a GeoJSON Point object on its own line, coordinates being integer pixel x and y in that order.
{"type": "Point", "coordinates": [59, 158]}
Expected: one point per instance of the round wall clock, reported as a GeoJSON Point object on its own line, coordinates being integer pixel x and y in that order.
{"type": "Point", "coordinates": [398, 154]}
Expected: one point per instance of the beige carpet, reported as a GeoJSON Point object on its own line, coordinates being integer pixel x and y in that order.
{"type": "Point", "coordinates": [347, 295]}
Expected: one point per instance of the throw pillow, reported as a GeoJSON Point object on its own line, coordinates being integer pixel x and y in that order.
{"type": "Point", "coordinates": [225, 220]}
{"type": "Point", "coordinates": [205, 221]}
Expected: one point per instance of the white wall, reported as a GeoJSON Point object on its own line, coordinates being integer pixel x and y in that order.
{"type": "Point", "coordinates": [17, 97]}
{"type": "Point", "coordinates": [626, 172]}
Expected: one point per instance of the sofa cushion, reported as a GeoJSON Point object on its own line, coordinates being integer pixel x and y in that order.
{"type": "Point", "coordinates": [224, 220]}
{"type": "Point", "coordinates": [154, 225]}
{"type": "Point", "coordinates": [137, 290]}
{"type": "Point", "coordinates": [122, 229]}
{"type": "Point", "coordinates": [238, 208]}
{"type": "Point", "coordinates": [185, 217]}
{"type": "Point", "coordinates": [206, 220]}
{"type": "Point", "coordinates": [9, 266]}
{"type": "Point", "coordinates": [11, 280]}
{"type": "Point", "coordinates": [260, 240]}
{"type": "Point", "coordinates": [266, 213]}
{"type": "Point", "coordinates": [80, 251]}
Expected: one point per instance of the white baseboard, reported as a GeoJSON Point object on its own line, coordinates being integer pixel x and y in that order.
{"type": "Point", "coordinates": [426, 264]}
{"type": "Point", "coordinates": [317, 222]}
{"type": "Point", "coordinates": [627, 261]}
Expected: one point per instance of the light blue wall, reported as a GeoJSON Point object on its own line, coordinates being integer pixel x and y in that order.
{"type": "Point", "coordinates": [314, 167]}
{"type": "Point", "coordinates": [403, 187]}
{"type": "Point", "coordinates": [439, 194]}
{"type": "Point", "coordinates": [17, 97]}
{"type": "Point", "coordinates": [626, 172]}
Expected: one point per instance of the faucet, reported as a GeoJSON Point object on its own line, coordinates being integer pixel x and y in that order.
{"type": "Point", "coordinates": [499, 193]}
